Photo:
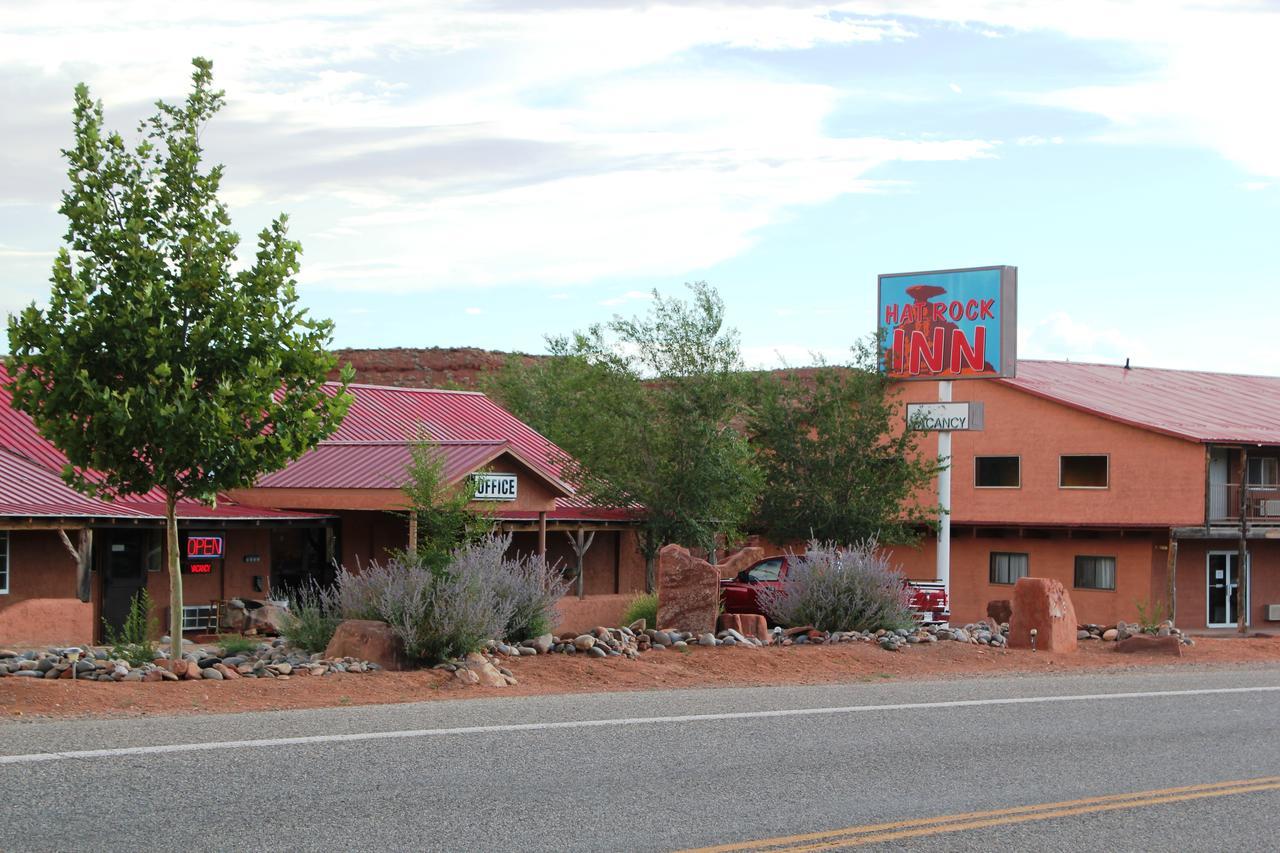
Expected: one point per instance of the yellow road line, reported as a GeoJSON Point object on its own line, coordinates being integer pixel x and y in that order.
{"type": "Point", "coordinates": [897, 830]}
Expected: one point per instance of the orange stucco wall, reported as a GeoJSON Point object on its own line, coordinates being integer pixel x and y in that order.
{"type": "Point", "coordinates": [1264, 579]}
{"type": "Point", "coordinates": [1140, 571]}
{"type": "Point", "coordinates": [41, 607]}
{"type": "Point", "coordinates": [1154, 479]}
{"type": "Point", "coordinates": [587, 613]}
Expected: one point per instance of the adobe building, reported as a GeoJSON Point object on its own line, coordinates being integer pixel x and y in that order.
{"type": "Point", "coordinates": [1130, 486]}
{"type": "Point", "coordinates": [70, 563]}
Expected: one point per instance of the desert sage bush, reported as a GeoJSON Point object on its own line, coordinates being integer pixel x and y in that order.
{"type": "Point", "coordinates": [312, 616]}
{"type": "Point", "coordinates": [444, 612]}
{"type": "Point", "coordinates": [834, 588]}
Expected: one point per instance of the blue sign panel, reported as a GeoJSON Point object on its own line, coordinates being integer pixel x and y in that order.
{"type": "Point", "coordinates": [953, 324]}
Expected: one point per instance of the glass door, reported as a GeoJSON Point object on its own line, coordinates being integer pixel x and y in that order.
{"type": "Point", "coordinates": [1224, 589]}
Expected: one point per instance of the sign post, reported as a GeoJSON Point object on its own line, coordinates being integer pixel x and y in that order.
{"type": "Point", "coordinates": [942, 326]}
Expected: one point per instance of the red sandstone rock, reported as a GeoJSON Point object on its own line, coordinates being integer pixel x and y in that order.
{"type": "Point", "coordinates": [1042, 604]}
{"type": "Point", "coordinates": [366, 639]}
{"type": "Point", "coordinates": [1144, 643]}
{"type": "Point", "coordinates": [741, 560]}
{"type": "Point", "coordinates": [153, 675]}
{"type": "Point", "coordinates": [797, 631]}
{"type": "Point", "coordinates": [1001, 611]}
{"type": "Point", "coordinates": [746, 624]}
{"type": "Point", "coordinates": [192, 672]}
{"type": "Point", "coordinates": [688, 591]}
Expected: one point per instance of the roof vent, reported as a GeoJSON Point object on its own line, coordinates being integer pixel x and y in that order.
{"type": "Point", "coordinates": [1126, 364]}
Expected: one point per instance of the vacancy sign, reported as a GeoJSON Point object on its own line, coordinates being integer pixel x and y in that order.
{"type": "Point", "coordinates": [934, 417]}
{"type": "Point", "coordinates": [951, 324]}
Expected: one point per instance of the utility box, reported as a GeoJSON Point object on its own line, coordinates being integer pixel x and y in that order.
{"type": "Point", "coordinates": [1273, 612]}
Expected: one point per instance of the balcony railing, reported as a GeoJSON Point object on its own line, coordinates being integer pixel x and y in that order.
{"type": "Point", "coordinates": [1261, 504]}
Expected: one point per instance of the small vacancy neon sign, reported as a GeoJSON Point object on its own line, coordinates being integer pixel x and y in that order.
{"type": "Point", "coordinates": [951, 324]}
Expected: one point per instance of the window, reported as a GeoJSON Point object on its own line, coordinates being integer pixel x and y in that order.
{"type": "Point", "coordinates": [1084, 472]}
{"type": "Point", "coordinates": [4, 562]}
{"type": "Point", "coordinates": [1264, 471]}
{"type": "Point", "coordinates": [1007, 568]}
{"type": "Point", "coordinates": [1095, 572]}
{"type": "Point", "coordinates": [997, 472]}
{"type": "Point", "coordinates": [200, 618]}
{"type": "Point", "coordinates": [767, 571]}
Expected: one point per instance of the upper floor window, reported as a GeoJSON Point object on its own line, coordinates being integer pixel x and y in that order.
{"type": "Point", "coordinates": [997, 472]}
{"type": "Point", "coordinates": [1095, 573]}
{"type": "Point", "coordinates": [1007, 568]}
{"type": "Point", "coordinates": [1263, 471]}
{"type": "Point", "coordinates": [1084, 472]}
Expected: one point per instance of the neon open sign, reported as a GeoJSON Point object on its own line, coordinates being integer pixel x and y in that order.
{"type": "Point", "coordinates": [204, 546]}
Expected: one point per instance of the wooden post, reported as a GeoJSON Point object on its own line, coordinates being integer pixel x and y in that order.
{"type": "Point", "coordinates": [1242, 549]}
{"type": "Point", "coordinates": [413, 534]}
{"type": "Point", "coordinates": [82, 554]}
{"type": "Point", "coordinates": [580, 546]}
{"type": "Point", "coordinates": [542, 534]}
{"type": "Point", "coordinates": [1171, 583]}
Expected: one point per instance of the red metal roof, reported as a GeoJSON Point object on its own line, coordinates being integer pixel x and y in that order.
{"type": "Point", "coordinates": [390, 414]}
{"type": "Point", "coordinates": [29, 489]}
{"type": "Point", "coordinates": [382, 464]}
{"type": "Point", "coordinates": [1195, 405]}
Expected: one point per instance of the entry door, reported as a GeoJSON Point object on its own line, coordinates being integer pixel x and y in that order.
{"type": "Point", "coordinates": [122, 564]}
{"type": "Point", "coordinates": [1224, 589]}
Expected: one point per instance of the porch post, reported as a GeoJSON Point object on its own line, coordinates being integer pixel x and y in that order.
{"type": "Point", "coordinates": [413, 533]}
{"type": "Point", "coordinates": [1242, 550]}
{"type": "Point", "coordinates": [542, 534]}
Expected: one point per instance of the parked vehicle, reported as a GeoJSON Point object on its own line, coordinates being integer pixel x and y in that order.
{"type": "Point", "coordinates": [929, 599]}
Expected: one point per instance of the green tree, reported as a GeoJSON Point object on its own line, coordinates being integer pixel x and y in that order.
{"type": "Point", "coordinates": [156, 366]}
{"type": "Point", "coordinates": [443, 517]}
{"type": "Point", "coordinates": [645, 407]}
{"type": "Point", "coordinates": [839, 464]}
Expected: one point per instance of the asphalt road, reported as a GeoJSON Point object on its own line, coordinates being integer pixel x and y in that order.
{"type": "Point", "coordinates": [799, 768]}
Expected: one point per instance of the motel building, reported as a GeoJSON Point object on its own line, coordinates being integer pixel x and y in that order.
{"type": "Point", "coordinates": [1130, 486]}
{"type": "Point", "coordinates": [70, 563]}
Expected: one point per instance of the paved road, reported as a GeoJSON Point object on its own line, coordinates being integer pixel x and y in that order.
{"type": "Point", "coordinates": [673, 770]}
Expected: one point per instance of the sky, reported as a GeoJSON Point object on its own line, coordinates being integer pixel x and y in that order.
{"type": "Point", "coordinates": [485, 174]}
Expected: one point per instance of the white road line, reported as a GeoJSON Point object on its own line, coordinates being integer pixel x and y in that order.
{"type": "Point", "coordinates": [36, 757]}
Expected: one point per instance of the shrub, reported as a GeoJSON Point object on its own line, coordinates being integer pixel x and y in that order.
{"type": "Point", "coordinates": [853, 588]}
{"type": "Point", "coordinates": [235, 644]}
{"type": "Point", "coordinates": [444, 613]}
{"type": "Point", "coordinates": [1151, 615]}
{"type": "Point", "coordinates": [526, 585]}
{"type": "Point", "coordinates": [133, 643]}
{"type": "Point", "coordinates": [643, 606]}
{"type": "Point", "coordinates": [312, 616]}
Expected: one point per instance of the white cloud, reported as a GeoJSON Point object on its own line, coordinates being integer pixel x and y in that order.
{"type": "Point", "coordinates": [1059, 336]}
{"type": "Point", "coordinates": [448, 145]}
{"type": "Point", "coordinates": [629, 296]}
{"type": "Point", "coordinates": [955, 87]}
{"type": "Point", "coordinates": [473, 311]}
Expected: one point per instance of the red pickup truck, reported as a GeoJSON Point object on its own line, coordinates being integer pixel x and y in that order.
{"type": "Point", "coordinates": [740, 595]}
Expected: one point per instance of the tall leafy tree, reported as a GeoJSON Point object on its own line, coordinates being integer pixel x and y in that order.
{"type": "Point", "coordinates": [157, 366]}
{"type": "Point", "coordinates": [840, 465]}
{"type": "Point", "coordinates": [646, 408]}
{"type": "Point", "coordinates": [442, 514]}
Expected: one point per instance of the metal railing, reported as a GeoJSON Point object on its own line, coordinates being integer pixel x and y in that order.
{"type": "Point", "coordinates": [1261, 504]}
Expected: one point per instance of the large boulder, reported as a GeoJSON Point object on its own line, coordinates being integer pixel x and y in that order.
{"type": "Point", "coordinates": [1044, 605]}
{"type": "Point", "coordinates": [368, 640]}
{"type": "Point", "coordinates": [1000, 611]}
{"type": "Point", "coordinates": [743, 559]}
{"type": "Point", "coordinates": [746, 624]}
{"type": "Point", "coordinates": [1145, 643]}
{"type": "Point", "coordinates": [688, 591]}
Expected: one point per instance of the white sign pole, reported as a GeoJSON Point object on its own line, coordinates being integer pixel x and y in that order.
{"type": "Point", "coordinates": [944, 496]}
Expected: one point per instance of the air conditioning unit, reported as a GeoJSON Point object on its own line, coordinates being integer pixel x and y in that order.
{"type": "Point", "coordinates": [1272, 612]}
{"type": "Point", "coordinates": [1270, 508]}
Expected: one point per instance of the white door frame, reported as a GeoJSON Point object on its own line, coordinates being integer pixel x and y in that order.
{"type": "Point", "coordinates": [1208, 582]}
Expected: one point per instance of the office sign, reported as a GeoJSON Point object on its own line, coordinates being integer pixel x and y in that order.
{"type": "Point", "coordinates": [494, 487]}
{"type": "Point", "coordinates": [936, 417]}
{"type": "Point", "coordinates": [951, 324]}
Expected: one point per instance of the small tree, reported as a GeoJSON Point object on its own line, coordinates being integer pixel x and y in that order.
{"type": "Point", "coordinates": [645, 407]}
{"type": "Point", "coordinates": [839, 463]}
{"type": "Point", "coordinates": [155, 366]}
{"type": "Point", "coordinates": [442, 512]}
